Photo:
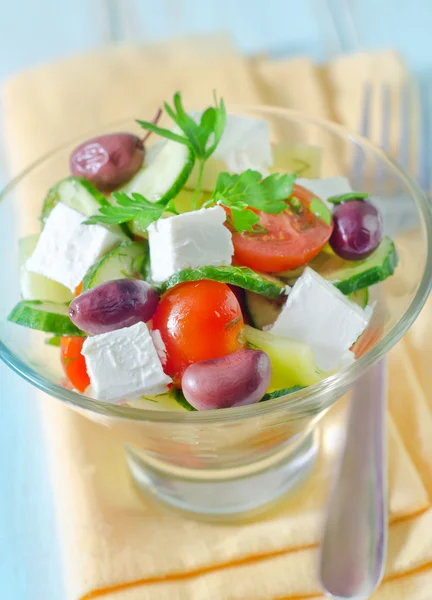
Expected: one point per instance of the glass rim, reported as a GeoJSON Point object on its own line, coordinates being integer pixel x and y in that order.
{"type": "Point", "coordinates": [297, 402]}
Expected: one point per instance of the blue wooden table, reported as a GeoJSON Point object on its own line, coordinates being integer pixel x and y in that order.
{"type": "Point", "coordinates": [30, 566]}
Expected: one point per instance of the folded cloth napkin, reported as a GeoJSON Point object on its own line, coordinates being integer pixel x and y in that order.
{"type": "Point", "coordinates": [115, 543]}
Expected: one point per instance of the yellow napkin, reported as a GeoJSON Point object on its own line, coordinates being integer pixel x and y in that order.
{"type": "Point", "coordinates": [115, 543]}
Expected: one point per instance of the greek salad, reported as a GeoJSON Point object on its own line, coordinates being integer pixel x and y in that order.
{"type": "Point", "coordinates": [210, 267]}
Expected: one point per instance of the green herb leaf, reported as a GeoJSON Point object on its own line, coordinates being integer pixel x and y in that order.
{"type": "Point", "coordinates": [202, 138]}
{"type": "Point", "coordinates": [166, 133]}
{"type": "Point", "coordinates": [250, 190]}
{"type": "Point", "coordinates": [347, 197]}
{"type": "Point", "coordinates": [128, 208]}
{"type": "Point", "coordinates": [280, 393]}
{"type": "Point", "coordinates": [177, 395]}
{"type": "Point", "coordinates": [320, 210]}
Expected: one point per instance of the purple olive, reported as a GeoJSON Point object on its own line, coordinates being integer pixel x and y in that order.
{"type": "Point", "coordinates": [108, 161]}
{"type": "Point", "coordinates": [358, 229]}
{"type": "Point", "coordinates": [233, 380]}
{"type": "Point", "coordinates": [113, 305]}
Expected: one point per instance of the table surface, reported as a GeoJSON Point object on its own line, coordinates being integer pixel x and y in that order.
{"type": "Point", "coordinates": [30, 565]}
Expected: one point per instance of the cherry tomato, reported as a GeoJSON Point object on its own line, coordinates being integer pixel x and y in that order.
{"type": "Point", "coordinates": [74, 362]}
{"type": "Point", "coordinates": [292, 238]}
{"type": "Point", "coordinates": [197, 320]}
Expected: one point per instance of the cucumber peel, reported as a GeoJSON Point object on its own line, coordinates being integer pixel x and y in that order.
{"type": "Point", "coordinates": [125, 261]}
{"type": "Point", "coordinates": [240, 276]}
{"type": "Point", "coordinates": [350, 276]}
{"type": "Point", "coordinates": [167, 167]}
{"type": "Point", "coordinates": [75, 192]}
{"type": "Point", "coordinates": [44, 316]}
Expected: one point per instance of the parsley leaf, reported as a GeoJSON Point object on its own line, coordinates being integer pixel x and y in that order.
{"type": "Point", "coordinates": [202, 138]}
{"type": "Point", "coordinates": [128, 208]}
{"type": "Point", "coordinates": [249, 190]}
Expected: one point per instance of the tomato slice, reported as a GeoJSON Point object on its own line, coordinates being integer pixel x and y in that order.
{"type": "Point", "coordinates": [291, 239]}
{"type": "Point", "coordinates": [74, 362]}
{"type": "Point", "coordinates": [197, 320]}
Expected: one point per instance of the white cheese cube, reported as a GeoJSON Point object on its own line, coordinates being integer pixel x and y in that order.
{"type": "Point", "coordinates": [124, 364]}
{"type": "Point", "coordinates": [319, 315]}
{"type": "Point", "coordinates": [187, 241]}
{"type": "Point", "coordinates": [245, 144]}
{"type": "Point", "coordinates": [325, 188]}
{"type": "Point", "coordinates": [66, 249]}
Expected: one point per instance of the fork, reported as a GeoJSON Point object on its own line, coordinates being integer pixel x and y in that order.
{"type": "Point", "coordinates": [353, 549]}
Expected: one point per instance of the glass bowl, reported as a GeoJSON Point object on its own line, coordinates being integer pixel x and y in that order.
{"type": "Point", "coordinates": [233, 460]}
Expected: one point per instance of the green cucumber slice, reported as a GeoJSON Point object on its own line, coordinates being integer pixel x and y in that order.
{"type": "Point", "coordinates": [75, 192]}
{"type": "Point", "coordinates": [262, 311]}
{"type": "Point", "coordinates": [240, 276]}
{"type": "Point", "coordinates": [361, 297]}
{"type": "Point", "coordinates": [44, 316]}
{"type": "Point", "coordinates": [34, 286]}
{"type": "Point", "coordinates": [124, 261]}
{"type": "Point", "coordinates": [350, 276]}
{"type": "Point", "coordinates": [292, 362]}
{"type": "Point", "coordinates": [167, 166]}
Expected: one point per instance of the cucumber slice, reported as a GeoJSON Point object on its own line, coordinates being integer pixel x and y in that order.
{"type": "Point", "coordinates": [34, 286]}
{"type": "Point", "coordinates": [350, 276]}
{"type": "Point", "coordinates": [76, 192]}
{"type": "Point", "coordinates": [303, 160]}
{"type": "Point", "coordinates": [44, 316]}
{"type": "Point", "coordinates": [167, 166]}
{"type": "Point", "coordinates": [240, 276]}
{"type": "Point", "coordinates": [124, 261]}
{"type": "Point", "coordinates": [292, 362]}
{"type": "Point", "coordinates": [361, 297]}
{"type": "Point", "coordinates": [262, 311]}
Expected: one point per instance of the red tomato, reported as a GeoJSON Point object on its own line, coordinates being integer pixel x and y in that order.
{"type": "Point", "coordinates": [197, 320]}
{"type": "Point", "coordinates": [291, 239]}
{"type": "Point", "coordinates": [74, 362]}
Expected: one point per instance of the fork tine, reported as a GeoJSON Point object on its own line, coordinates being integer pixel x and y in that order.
{"type": "Point", "coordinates": [365, 125]}
{"type": "Point", "coordinates": [385, 117]}
{"type": "Point", "coordinates": [425, 136]}
{"type": "Point", "coordinates": [404, 143]}
{"type": "Point", "coordinates": [358, 161]}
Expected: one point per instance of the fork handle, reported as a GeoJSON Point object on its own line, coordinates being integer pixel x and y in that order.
{"type": "Point", "coordinates": [355, 534]}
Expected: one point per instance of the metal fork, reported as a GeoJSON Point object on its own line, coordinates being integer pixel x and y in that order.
{"type": "Point", "coordinates": [354, 543]}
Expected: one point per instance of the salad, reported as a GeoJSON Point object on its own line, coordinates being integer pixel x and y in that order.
{"type": "Point", "coordinates": [210, 267]}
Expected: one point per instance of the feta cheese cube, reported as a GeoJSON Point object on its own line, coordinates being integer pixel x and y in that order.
{"type": "Point", "coordinates": [66, 249]}
{"type": "Point", "coordinates": [187, 241]}
{"type": "Point", "coordinates": [245, 144]}
{"type": "Point", "coordinates": [318, 314]}
{"type": "Point", "coordinates": [325, 188]}
{"type": "Point", "coordinates": [124, 364]}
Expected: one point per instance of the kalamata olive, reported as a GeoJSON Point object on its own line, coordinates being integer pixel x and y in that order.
{"type": "Point", "coordinates": [232, 380]}
{"type": "Point", "coordinates": [113, 305]}
{"type": "Point", "coordinates": [358, 229]}
{"type": "Point", "coordinates": [108, 161]}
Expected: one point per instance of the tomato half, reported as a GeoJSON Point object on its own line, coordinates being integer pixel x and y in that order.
{"type": "Point", "coordinates": [74, 362]}
{"type": "Point", "coordinates": [291, 239]}
{"type": "Point", "coordinates": [197, 320]}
